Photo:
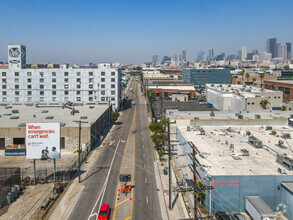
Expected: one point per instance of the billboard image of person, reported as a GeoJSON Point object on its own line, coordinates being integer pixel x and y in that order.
{"type": "Point", "coordinates": [43, 141]}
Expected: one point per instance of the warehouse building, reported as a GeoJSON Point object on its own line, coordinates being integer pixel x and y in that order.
{"type": "Point", "coordinates": [20, 85]}
{"type": "Point", "coordinates": [227, 97]}
{"type": "Point", "coordinates": [14, 118]}
{"type": "Point", "coordinates": [238, 159]}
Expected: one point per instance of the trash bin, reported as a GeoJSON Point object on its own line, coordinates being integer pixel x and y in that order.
{"type": "Point", "coordinates": [165, 172]}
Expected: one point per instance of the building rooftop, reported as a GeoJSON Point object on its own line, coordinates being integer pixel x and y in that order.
{"type": "Point", "coordinates": [281, 81]}
{"type": "Point", "coordinates": [19, 115]}
{"type": "Point", "coordinates": [242, 90]}
{"type": "Point", "coordinates": [288, 185]}
{"type": "Point", "coordinates": [222, 149]}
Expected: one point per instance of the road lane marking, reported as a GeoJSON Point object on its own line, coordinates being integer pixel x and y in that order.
{"type": "Point", "coordinates": [122, 202]}
{"type": "Point", "coordinates": [105, 183]}
{"type": "Point", "coordinates": [128, 218]}
{"type": "Point", "coordinates": [147, 199]}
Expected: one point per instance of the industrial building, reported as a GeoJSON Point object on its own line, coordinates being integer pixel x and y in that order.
{"type": "Point", "coordinates": [20, 85]}
{"type": "Point", "coordinates": [285, 86]}
{"type": "Point", "coordinates": [227, 97]}
{"type": "Point", "coordinates": [14, 118]}
{"type": "Point", "coordinates": [200, 77]}
{"type": "Point", "coordinates": [243, 156]}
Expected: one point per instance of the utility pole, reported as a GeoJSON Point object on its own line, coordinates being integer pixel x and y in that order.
{"type": "Point", "coordinates": [79, 150]}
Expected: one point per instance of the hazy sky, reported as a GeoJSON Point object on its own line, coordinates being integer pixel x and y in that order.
{"type": "Point", "coordinates": [131, 31]}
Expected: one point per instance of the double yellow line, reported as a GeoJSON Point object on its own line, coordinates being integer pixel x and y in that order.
{"type": "Point", "coordinates": [133, 124]}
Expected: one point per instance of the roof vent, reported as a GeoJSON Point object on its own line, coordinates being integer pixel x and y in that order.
{"type": "Point", "coordinates": [15, 111]}
{"type": "Point", "coordinates": [8, 106]}
{"type": "Point", "coordinates": [91, 106]}
{"type": "Point", "coordinates": [49, 117]}
{"type": "Point", "coordinates": [83, 117]}
{"type": "Point", "coordinates": [7, 114]}
{"type": "Point", "coordinates": [45, 111]}
{"type": "Point", "coordinates": [14, 117]}
{"type": "Point", "coordinates": [21, 125]}
{"type": "Point", "coordinates": [62, 124]}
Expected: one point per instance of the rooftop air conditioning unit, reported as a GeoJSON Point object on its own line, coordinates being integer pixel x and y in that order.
{"type": "Point", "coordinates": [281, 170]}
{"type": "Point", "coordinates": [286, 136]}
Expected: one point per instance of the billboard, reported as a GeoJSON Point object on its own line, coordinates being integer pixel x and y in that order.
{"type": "Point", "coordinates": [42, 141]}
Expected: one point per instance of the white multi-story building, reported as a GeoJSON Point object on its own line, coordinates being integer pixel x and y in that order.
{"type": "Point", "coordinates": [243, 53]}
{"type": "Point", "coordinates": [19, 85]}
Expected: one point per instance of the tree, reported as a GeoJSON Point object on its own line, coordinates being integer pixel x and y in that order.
{"type": "Point", "coordinates": [114, 116]}
{"type": "Point", "coordinates": [283, 108]}
{"type": "Point", "coordinates": [261, 75]}
{"type": "Point", "coordinates": [247, 75]}
{"type": "Point", "coordinates": [264, 103]}
{"type": "Point", "coordinates": [158, 138]}
{"type": "Point", "coordinates": [286, 68]}
{"type": "Point", "coordinates": [253, 79]}
{"type": "Point", "coordinates": [242, 74]}
{"type": "Point", "coordinates": [156, 127]}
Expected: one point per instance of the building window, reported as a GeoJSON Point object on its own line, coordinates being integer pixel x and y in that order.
{"type": "Point", "coordinates": [112, 73]}
{"type": "Point", "coordinates": [41, 99]}
{"type": "Point", "coordinates": [16, 74]}
{"type": "Point", "coordinates": [4, 86]}
{"type": "Point", "coordinates": [252, 103]}
{"type": "Point", "coordinates": [42, 86]}
{"type": "Point", "coordinates": [4, 93]}
{"type": "Point", "coordinates": [91, 80]}
{"type": "Point", "coordinates": [90, 92]}
{"type": "Point", "coordinates": [279, 97]}
{"type": "Point", "coordinates": [78, 73]}
{"type": "Point", "coordinates": [112, 92]}
{"type": "Point", "coordinates": [29, 73]}
{"type": "Point", "coordinates": [29, 92]}
{"type": "Point", "coordinates": [112, 79]}
{"type": "Point", "coordinates": [77, 92]}
{"type": "Point", "coordinates": [16, 99]}
{"type": "Point", "coordinates": [78, 99]}
{"type": "Point", "coordinates": [54, 92]}
{"type": "Point", "coordinates": [65, 73]}
{"type": "Point", "coordinates": [66, 86]}
{"type": "Point", "coordinates": [42, 92]}
{"type": "Point", "coordinates": [78, 80]}
{"type": "Point", "coordinates": [54, 86]}
{"type": "Point", "coordinates": [102, 79]}
{"type": "Point", "coordinates": [91, 86]}
{"type": "Point", "coordinates": [103, 92]}
{"type": "Point", "coordinates": [53, 99]}
{"type": "Point", "coordinates": [102, 73]}
{"type": "Point", "coordinates": [78, 86]}
{"type": "Point", "coordinates": [53, 73]}
{"type": "Point", "coordinates": [29, 80]}
{"type": "Point", "coordinates": [4, 80]}
{"type": "Point", "coordinates": [113, 86]}
{"type": "Point", "coordinates": [102, 98]}
{"type": "Point", "coordinates": [16, 86]}
{"type": "Point", "coordinates": [248, 103]}
{"type": "Point", "coordinates": [29, 86]}
{"type": "Point", "coordinates": [91, 73]}
{"type": "Point", "coordinates": [91, 99]}
{"type": "Point", "coordinates": [41, 80]}
{"type": "Point", "coordinates": [66, 80]}
{"type": "Point", "coordinates": [112, 98]}
{"type": "Point", "coordinates": [3, 73]}
{"type": "Point", "coordinates": [66, 92]}
{"type": "Point", "coordinates": [54, 80]}
{"type": "Point", "coordinates": [16, 93]}
{"type": "Point", "coordinates": [16, 80]}
{"type": "Point", "coordinates": [41, 74]}
{"type": "Point", "coordinates": [103, 86]}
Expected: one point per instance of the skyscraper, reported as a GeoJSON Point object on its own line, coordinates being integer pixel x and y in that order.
{"type": "Point", "coordinates": [211, 53]}
{"type": "Point", "coordinates": [184, 55]}
{"type": "Point", "coordinates": [239, 54]}
{"type": "Point", "coordinates": [243, 53]}
{"type": "Point", "coordinates": [155, 59]}
{"type": "Point", "coordinates": [288, 50]}
{"type": "Point", "coordinates": [200, 55]}
{"type": "Point", "coordinates": [272, 46]}
{"type": "Point", "coordinates": [282, 51]}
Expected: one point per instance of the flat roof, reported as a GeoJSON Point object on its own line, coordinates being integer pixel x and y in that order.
{"type": "Point", "coordinates": [218, 158]}
{"type": "Point", "coordinates": [32, 114]}
{"type": "Point", "coordinates": [281, 81]}
{"type": "Point", "coordinates": [288, 185]}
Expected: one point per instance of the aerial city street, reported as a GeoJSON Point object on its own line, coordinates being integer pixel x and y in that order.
{"type": "Point", "coordinates": [138, 110]}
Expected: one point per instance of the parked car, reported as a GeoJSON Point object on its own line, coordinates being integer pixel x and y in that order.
{"type": "Point", "coordinates": [239, 216]}
{"type": "Point", "coordinates": [222, 216]}
{"type": "Point", "coordinates": [104, 212]}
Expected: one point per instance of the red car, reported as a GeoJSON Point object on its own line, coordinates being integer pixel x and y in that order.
{"type": "Point", "coordinates": [104, 212]}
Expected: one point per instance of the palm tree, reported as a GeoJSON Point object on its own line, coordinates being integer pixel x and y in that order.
{"type": "Point", "coordinates": [242, 74]}
{"type": "Point", "coordinates": [247, 75]}
{"type": "Point", "coordinates": [264, 103]}
{"type": "Point", "coordinates": [253, 79]}
{"type": "Point", "coordinates": [261, 75]}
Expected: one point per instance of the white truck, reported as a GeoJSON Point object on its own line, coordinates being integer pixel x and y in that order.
{"type": "Point", "coordinates": [258, 209]}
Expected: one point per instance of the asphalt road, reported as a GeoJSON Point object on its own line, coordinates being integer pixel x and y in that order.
{"type": "Point", "coordinates": [128, 150]}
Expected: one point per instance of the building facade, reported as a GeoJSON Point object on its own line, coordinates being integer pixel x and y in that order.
{"type": "Point", "coordinates": [272, 46]}
{"type": "Point", "coordinates": [285, 86]}
{"type": "Point", "coordinates": [200, 77]}
{"type": "Point", "coordinates": [19, 85]}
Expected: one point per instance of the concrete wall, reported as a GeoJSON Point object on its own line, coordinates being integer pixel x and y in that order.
{"type": "Point", "coordinates": [179, 97]}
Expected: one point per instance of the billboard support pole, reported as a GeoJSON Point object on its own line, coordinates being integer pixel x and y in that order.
{"type": "Point", "coordinates": [34, 172]}
{"type": "Point", "coordinates": [54, 170]}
